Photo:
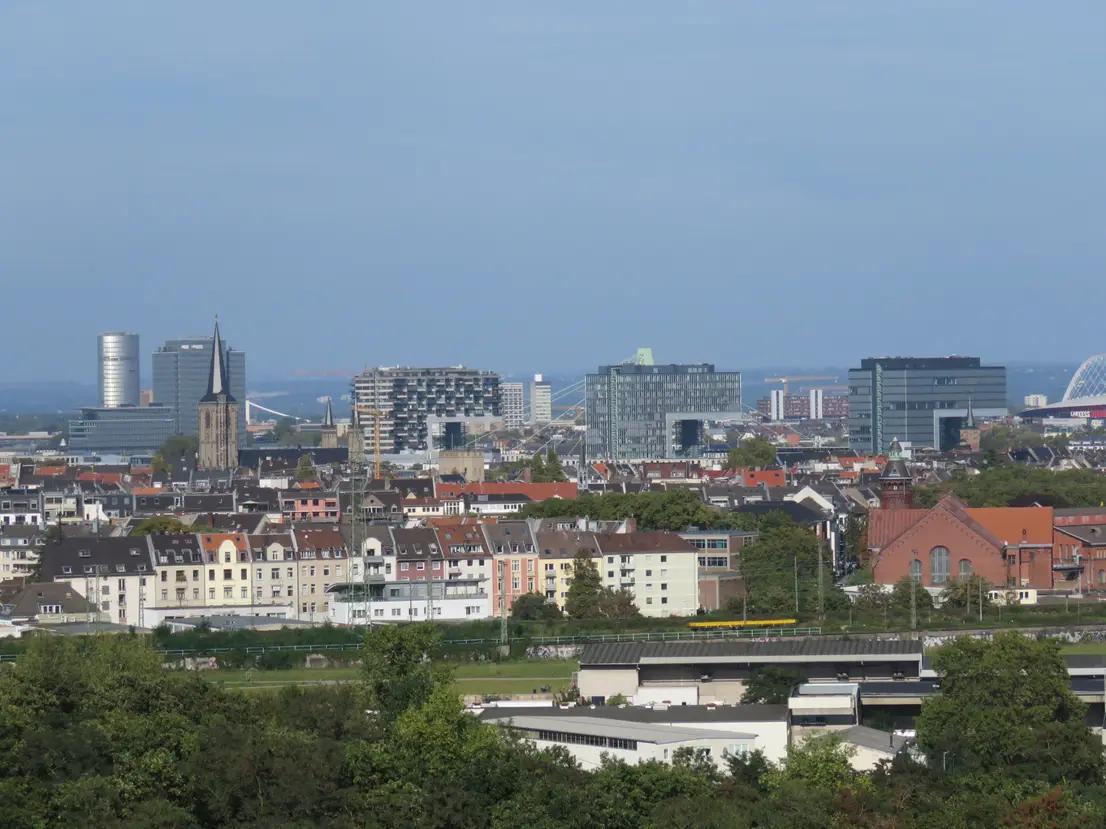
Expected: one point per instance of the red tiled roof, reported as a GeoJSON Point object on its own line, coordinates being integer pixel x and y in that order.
{"type": "Point", "coordinates": [1016, 525]}
{"type": "Point", "coordinates": [999, 525]}
{"type": "Point", "coordinates": [885, 525]}
{"type": "Point", "coordinates": [211, 541]}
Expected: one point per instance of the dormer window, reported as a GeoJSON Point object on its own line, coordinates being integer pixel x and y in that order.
{"type": "Point", "coordinates": [85, 553]}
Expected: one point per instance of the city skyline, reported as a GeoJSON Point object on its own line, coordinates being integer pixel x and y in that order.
{"type": "Point", "coordinates": [834, 170]}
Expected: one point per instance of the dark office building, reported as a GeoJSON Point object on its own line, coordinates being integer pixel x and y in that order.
{"type": "Point", "coordinates": [642, 411]}
{"type": "Point", "coordinates": [921, 400]}
{"type": "Point", "coordinates": [122, 429]}
{"type": "Point", "coordinates": [181, 369]}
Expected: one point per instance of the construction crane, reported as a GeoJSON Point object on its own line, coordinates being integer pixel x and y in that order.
{"type": "Point", "coordinates": [798, 378]}
{"type": "Point", "coordinates": [376, 415]}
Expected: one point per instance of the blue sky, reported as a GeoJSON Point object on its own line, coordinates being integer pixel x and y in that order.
{"type": "Point", "coordinates": [526, 186]}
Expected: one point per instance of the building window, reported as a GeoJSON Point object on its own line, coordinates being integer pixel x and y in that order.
{"type": "Point", "coordinates": [916, 570]}
{"type": "Point", "coordinates": [965, 568]}
{"type": "Point", "coordinates": [939, 565]}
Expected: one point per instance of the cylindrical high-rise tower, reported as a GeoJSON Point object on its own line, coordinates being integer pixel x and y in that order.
{"type": "Point", "coordinates": [118, 369]}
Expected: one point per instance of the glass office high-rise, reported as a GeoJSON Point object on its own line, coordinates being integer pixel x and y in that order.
{"type": "Point", "coordinates": [181, 369]}
{"type": "Point", "coordinates": [118, 369]}
{"type": "Point", "coordinates": [923, 401]}
{"type": "Point", "coordinates": [641, 411]}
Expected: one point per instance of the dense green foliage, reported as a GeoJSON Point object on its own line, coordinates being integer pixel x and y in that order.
{"type": "Point", "coordinates": [674, 509]}
{"type": "Point", "coordinates": [587, 597]}
{"type": "Point", "coordinates": [1020, 486]}
{"type": "Point", "coordinates": [305, 469]}
{"type": "Point", "coordinates": [176, 449]}
{"type": "Point", "coordinates": [96, 732]}
{"type": "Point", "coordinates": [534, 607]}
{"type": "Point", "coordinates": [1000, 438]}
{"type": "Point", "coordinates": [754, 453]}
{"type": "Point", "coordinates": [771, 685]}
{"type": "Point", "coordinates": [786, 555]}
{"type": "Point", "coordinates": [1006, 709]}
{"type": "Point", "coordinates": [161, 525]}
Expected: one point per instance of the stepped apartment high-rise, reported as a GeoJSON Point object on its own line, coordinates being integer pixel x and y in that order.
{"type": "Point", "coordinates": [924, 401]}
{"type": "Point", "coordinates": [403, 400]}
{"type": "Point", "coordinates": [181, 373]}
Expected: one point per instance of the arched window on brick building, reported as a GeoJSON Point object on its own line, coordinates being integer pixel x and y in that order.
{"type": "Point", "coordinates": [965, 568]}
{"type": "Point", "coordinates": [939, 565]}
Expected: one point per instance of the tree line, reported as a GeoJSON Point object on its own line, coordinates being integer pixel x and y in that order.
{"type": "Point", "coordinates": [96, 732]}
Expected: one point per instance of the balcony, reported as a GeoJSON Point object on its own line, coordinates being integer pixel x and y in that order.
{"type": "Point", "coordinates": [1068, 564]}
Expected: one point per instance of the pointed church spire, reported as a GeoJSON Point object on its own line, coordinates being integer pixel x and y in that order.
{"type": "Point", "coordinates": [328, 416]}
{"type": "Point", "coordinates": [217, 377]}
{"type": "Point", "coordinates": [969, 421]}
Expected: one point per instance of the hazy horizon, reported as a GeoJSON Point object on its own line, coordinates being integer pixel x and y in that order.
{"type": "Point", "coordinates": [547, 188]}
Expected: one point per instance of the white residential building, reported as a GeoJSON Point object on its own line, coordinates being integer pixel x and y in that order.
{"type": "Point", "coordinates": [541, 401]}
{"type": "Point", "coordinates": [512, 405]}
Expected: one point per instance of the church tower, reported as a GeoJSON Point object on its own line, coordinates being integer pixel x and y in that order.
{"type": "Point", "coordinates": [328, 432]}
{"type": "Point", "coordinates": [896, 484]}
{"type": "Point", "coordinates": [218, 414]}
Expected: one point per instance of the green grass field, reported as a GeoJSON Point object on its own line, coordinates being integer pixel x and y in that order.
{"type": "Point", "coordinates": [470, 678]}
{"type": "Point", "coordinates": [1092, 648]}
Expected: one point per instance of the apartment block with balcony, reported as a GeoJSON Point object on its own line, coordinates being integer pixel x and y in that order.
{"type": "Point", "coordinates": [228, 562]}
{"type": "Point", "coordinates": [323, 560]}
{"type": "Point", "coordinates": [310, 505]}
{"type": "Point", "coordinates": [20, 507]}
{"type": "Point", "coordinates": [659, 569]}
{"type": "Point", "coordinates": [20, 546]}
{"type": "Point", "coordinates": [401, 400]}
{"type": "Point", "coordinates": [275, 570]}
{"type": "Point", "coordinates": [115, 574]}
{"type": "Point", "coordinates": [180, 583]}
{"type": "Point", "coordinates": [558, 550]}
{"type": "Point", "coordinates": [517, 565]}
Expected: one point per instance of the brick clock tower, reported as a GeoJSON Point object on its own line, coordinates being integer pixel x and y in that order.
{"type": "Point", "coordinates": [218, 415]}
{"type": "Point", "coordinates": [896, 485]}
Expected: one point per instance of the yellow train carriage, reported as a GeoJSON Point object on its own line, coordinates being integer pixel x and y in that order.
{"type": "Point", "coordinates": [737, 624]}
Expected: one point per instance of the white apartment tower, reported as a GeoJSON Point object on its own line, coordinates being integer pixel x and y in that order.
{"type": "Point", "coordinates": [778, 401]}
{"type": "Point", "coordinates": [541, 401]}
{"type": "Point", "coordinates": [512, 405]}
{"type": "Point", "coordinates": [817, 407]}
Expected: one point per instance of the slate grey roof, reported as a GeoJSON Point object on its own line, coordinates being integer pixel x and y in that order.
{"type": "Point", "coordinates": [862, 735]}
{"type": "Point", "coordinates": [799, 513]}
{"type": "Point", "coordinates": [75, 557]}
{"type": "Point", "coordinates": [569, 721]}
{"type": "Point", "coordinates": [1093, 535]}
{"type": "Point", "coordinates": [634, 653]}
